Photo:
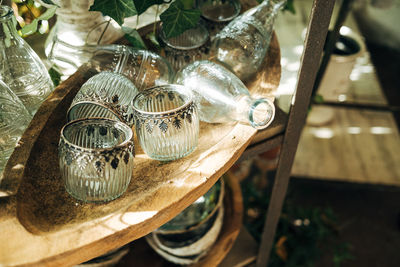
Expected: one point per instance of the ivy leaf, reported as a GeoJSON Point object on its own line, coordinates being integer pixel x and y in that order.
{"type": "Point", "coordinates": [134, 37]}
{"type": "Point", "coordinates": [30, 28]}
{"type": "Point", "coordinates": [176, 19]}
{"type": "Point", "coordinates": [48, 14]}
{"type": "Point", "coordinates": [116, 9]}
{"type": "Point", "coordinates": [55, 76]}
{"type": "Point", "coordinates": [143, 5]}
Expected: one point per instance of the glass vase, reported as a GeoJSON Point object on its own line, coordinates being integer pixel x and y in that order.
{"type": "Point", "coordinates": [144, 68]}
{"type": "Point", "coordinates": [14, 118]}
{"type": "Point", "coordinates": [21, 69]}
{"type": "Point", "coordinates": [222, 97]}
{"type": "Point", "coordinates": [243, 43]}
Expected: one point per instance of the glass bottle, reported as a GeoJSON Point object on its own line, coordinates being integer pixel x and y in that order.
{"type": "Point", "coordinates": [222, 97]}
{"type": "Point", "coordinates": [144, 68]}
{"type": "Point", "coordinates": [14, 118]}
{"type": "Point", "coordinates": [243, 43]}
{"type": "Point", "coordinates": [21, 69]}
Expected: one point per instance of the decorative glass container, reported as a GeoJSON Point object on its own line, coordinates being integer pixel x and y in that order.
{"type": "Point", "coordinates": [96, 158]}
{"type": "Point", "coordinates": [218, 13]}
{"type": "Point", "coordinates": [191, 45]}
{"type": "Point", "coordinates": [144, 68]}
{"type": "Point", "coordinates": [105, 95]}
{"type": "Point", "coordinates": [222, 97]}
{"type": "Point", "coordinates": [14, 118]}
{"type": "Point", "coordinates": [166, 122]}
{"type": "Point", "coordinates": [21, 69]}
{"type": "Point", "coordinates": [189, 236]}
{"type": "Point", "coordinates": [243, 43]}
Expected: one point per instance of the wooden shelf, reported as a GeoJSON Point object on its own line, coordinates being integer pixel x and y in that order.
{"type": "Point", "coordinates": [42, 225]}
{"type": "Point", "coordinates": [141, 254]}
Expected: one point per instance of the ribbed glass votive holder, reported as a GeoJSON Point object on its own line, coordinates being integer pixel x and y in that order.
{"type": "Point", "coordinates": [166, 122]}
{"type": "Point", "coordinates": [105, 95]}
{"type": "Point", "coordinates": [193, 44]}
{"type": "Point", "coordinates": [96, 158]}
{"type": "Point", "coordinates": [218, 13]}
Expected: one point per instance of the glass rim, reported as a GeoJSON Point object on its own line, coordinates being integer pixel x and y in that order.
{"type": "Point", "coordinates": [121, 145]}
{"type": "Point", "coordinates": [180, 47]}
{"type": "Point", "coordinates": [174, 87]}
{"type": "Point", "coordinates": [113, 111]}
{"type": "Point", "coordinates": [5, 12]}
{"type": "Point", "coordinates": [236, 5]}
{"type": "Point", "coordinates": [267, 121]}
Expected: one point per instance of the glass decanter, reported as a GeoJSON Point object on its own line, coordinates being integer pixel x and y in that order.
{"type": "Point", "coordinates": [21, 69]}
{"type": "Point", "coordinates": [14, 118]}
{"type": "Point", "coordinates": [144, 68]}
{"type": "Point", "coordinates": [222, 97]}
{"type": "Point", "coordinates": [243, 43]}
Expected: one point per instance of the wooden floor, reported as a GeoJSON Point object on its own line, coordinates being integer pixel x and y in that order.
{"type": "Point", "coordinates": [356, 145]}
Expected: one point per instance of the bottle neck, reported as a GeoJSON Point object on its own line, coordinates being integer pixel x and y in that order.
{"type": "Point", "coordinates": [267, 11]}
{"type": "Point", "coordinates": [259, 113]}
{"type": "Point", "coordinates": [7, 28]}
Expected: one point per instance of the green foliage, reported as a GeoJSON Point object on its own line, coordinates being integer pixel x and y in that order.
{"type": "Point", "coordinates": [302, 232]}
{"type": "Point", "coordinates": [55, 76]}
{"type": "Point", "coordinates": [318, 99]}
{"type": "Point", "coordinates": [143, 5]}
{"type": "Point", "coordinates": [178, 18]}
{"type": "Point", "coordinates": [341, 254]}
{"type": "Point", "coordinates": [133, 37]}
{"type": "Point", "coordinates": [116, 9]}
{"type": "Point", "coordinates": [32, 27]}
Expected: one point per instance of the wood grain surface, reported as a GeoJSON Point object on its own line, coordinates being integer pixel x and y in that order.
{"type": "Point", "coordinates": [356, 146]}
{"type": "Point", "coordinates": [41, 225]}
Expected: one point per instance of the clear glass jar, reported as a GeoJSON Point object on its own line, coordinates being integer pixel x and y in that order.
{"type": "Point", "coordinates": [21, 69]}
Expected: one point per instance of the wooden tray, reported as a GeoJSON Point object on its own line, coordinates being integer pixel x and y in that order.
{"type": "Point", "coordinates": [42, 225]}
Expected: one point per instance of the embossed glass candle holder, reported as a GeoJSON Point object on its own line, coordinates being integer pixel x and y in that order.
{"type": "Point", "coordinates": [166, 122]}
{"type": "Point", "coordinates": [218, 13]}
{"type": "Point", "coordinates": [191, 45]}
{"type": "Point", "coordinates": [96, 158]}
{"type": "Point", "coordinates": [144, 68]}
{"type": "Point", "coordinates": [105, 95]}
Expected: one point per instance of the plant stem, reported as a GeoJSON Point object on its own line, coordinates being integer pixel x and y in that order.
{"type": "Point", "coordinates": [104, 31]}
{"type": "Point", "coordinates": [155, 20]}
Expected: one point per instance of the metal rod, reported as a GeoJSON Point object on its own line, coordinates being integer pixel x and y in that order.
{"type": "Point", "coordinates": [331, 42]}
{"type": "Point", "coordinates": [321, 13]}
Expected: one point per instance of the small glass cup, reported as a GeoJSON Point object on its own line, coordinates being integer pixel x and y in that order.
{"type": "Point", "coordinates": [218, 13]}
{"type": "Point", "coordinates": [166, 122]}
{"type": "Point", "coordinates": [105, 95]}
{"type": "Point", "coordinates": [191, 45]}
{"type": "Point", "coordinates": [96, 158]}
